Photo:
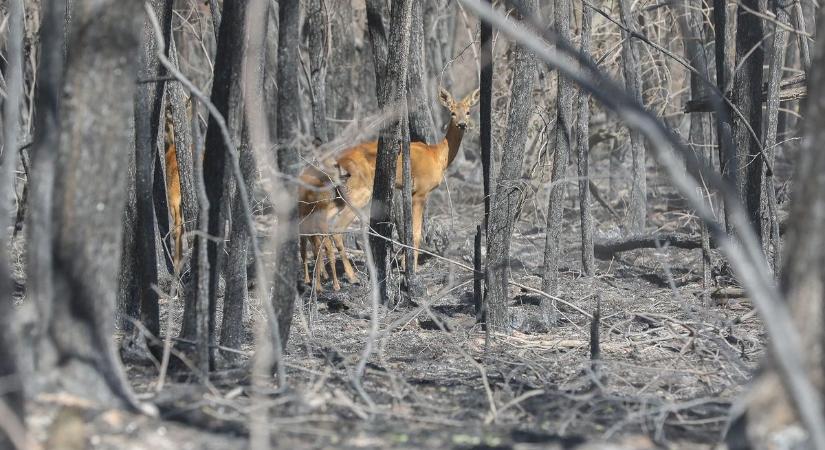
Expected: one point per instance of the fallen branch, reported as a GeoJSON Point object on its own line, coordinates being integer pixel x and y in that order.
{"type": "Point", "coordinates": [606, 248]}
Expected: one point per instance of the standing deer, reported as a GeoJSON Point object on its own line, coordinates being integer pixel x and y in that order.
{"type": "Point", "coordinates": [173, 195]}
{"type": "Point", "coordinates": [429, 164]}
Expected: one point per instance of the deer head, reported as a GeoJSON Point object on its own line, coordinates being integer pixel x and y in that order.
{"type": "Point", "coordinates": [459, 110]}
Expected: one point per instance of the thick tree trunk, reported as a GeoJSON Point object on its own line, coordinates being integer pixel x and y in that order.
{"type": "Point", "coordinates": [770, 415]}
{"type": "Point", "coordinates": [11, 398]}
{"type": "Point", "coordinates": [553, 252]}
{"type": "Point", "coordinates": [286, 278]}
{"type": "Point", "coordinates": [746, 96]}
{"type": "Point", "coordinates": [148, 102]}
{"type": "Point", "coordinates": [583, 153]}
{"type": "Point", "coordinates": [637, 209]}
{"type": "Point", "coordinates": [508, 193]}
{"type": "Point", "coordinates": [87, 228]}
{"type": "Point", "coordinates": [392, 97]}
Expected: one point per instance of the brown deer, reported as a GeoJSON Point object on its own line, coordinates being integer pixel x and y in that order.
{"type": "Point", "coordinates": [356, 165]}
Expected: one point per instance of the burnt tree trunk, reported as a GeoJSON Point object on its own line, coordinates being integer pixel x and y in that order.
{"type": "Point", "coordinates": [12, 398]}
{"type": "Point", "coordinates": [507, 196]}
{"type": "Point", "coordinates": [562, 148]}
{"type": "Point", "coordinates": [485, 112]}
{"type": "Point", "coordinates": [319, 45]}
{"type": "Point", "coordinates": [771, 415]}
{"type": "Point", "coordinates": [86, 216]}
{"type": "Point", "coordinates": [422, 126]}
{"type": "Point", "coordinates": [583, 154]}
{"type": "Point", "coordinates": [148, 103]}
{"type": "Point", "coordinates": [746, 96]}
{"type": "Point", "coordinates": [392, 96]}
{"type": "Point", "coordinates": [723, 113]}
{"type": "Point", "coordinates": [286, 280]}
{"type": "Point", "coordinates": [631, 69]}
{"type": "Point", "coordinates": [770, 222]}
{"type": "Point", "coordinates": [227, 97]}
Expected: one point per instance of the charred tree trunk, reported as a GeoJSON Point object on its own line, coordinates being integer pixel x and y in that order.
{"type": "Point", "coordinates": [771, 415]}
{"type": "Point", "coordinates": [632, 70]}
{"type": "Point", "coordinates": [286, 280]}
{"type": "Point", "coordinates": [317, 21]}
{"type": "Point", "coordinates": [392, 97]}
{"type": "Point", "coordinates": [422, 126]}
{"type": "Point", "coordinates": [376, 10]}
{"type": "Point", "coordinates": [486, 112]}
{"type": "Point", "coordinates": [563, 146]}
{"type": "Point", "coordinates": [747, 98]}
{"type": "Point", "coordinates": [507, 196]}
{"type": "Point", "coordinates": [770, 223]}
{"type": "Point", "coordinates": [583, 153]}
{"type": "Point", "coordinates": [227, 98]}
{"type": "Point", "coordinates": [86, 222]}
{"type": "Point", "coordinates": [723, 125]}
{"type": "Point", "coordinates": [148, 102]}
{"type": "Point", "coordinates": [12, 398]}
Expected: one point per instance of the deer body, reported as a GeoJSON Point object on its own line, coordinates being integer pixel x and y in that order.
{"type": "Point", "coordinates": [428, 165]}
{"type": "Point", "coordinates": [173, 195]}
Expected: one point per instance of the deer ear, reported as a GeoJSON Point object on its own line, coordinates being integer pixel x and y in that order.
{"type": "Point", "coordinates": [445, 98]}
{"type": "Point", "coordinates": [472, 98]}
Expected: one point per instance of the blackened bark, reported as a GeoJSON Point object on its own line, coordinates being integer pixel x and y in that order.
{"type": "Point", "coordinates": [12, 398]}
{"type": "Point", "coordinates": [770, 239]}
{"type": "Point", "coordinates": [376, 10]}
{"type": "Point", "coordinates": [637, 210]}
{"type": "Point", "coordinates": [148, 102]}
{"type": "Point", "coordinates": [746, 96]}
{"type": "Point", "coordinates": [422, 126]}
{"type": "Point", "coordinates": [44, 150]}
{"type": "Point", "coordinates": [227, 98]}
{"type": "Point", "coordinates": [563, 147]}
{"type": "Point", "coordinates": [803, 276]}
{"type": "Point", "coordinates": [87, 229]}
{"type": "Point", "coordinates": [486, 113]}
{"type": "Point", "coordinates": [286, 278]}
{"type": "Point", "coordinates": [507, 196]}
{"type": "Point", "coordinates": [197, 301]}
{"type": "Point", "coordinates": [583, 154]}
{"type": "Point", "coordinates": [723, 124]}
{"type": "Point", "coordinates": [392, 97]}
{"type": "Point", "coordinates": [318, 20]}
{"type": "Point", "coordinates": [236, 294]}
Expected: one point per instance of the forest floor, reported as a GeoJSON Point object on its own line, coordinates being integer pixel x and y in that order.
{"type": "Point", "coordinates": [671, 366]}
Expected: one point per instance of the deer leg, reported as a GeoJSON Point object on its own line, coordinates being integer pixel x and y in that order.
{"type": "Point", "coordinates": [342, 221]}
{"type": "Point", "coordinates": [330, 250]}
{"type": "Point", "coordinates": [318, 248]}
{"type": "Point", "coordinates": [307, 280]}
{"type": "Point", "coordinates": [417, 223]}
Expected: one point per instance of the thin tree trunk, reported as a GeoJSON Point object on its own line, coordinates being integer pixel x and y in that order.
{"type": "Point", "coordinates": [392, 97]}
{"type": "Point", "coordinates": [228, 99]}
{"type": "Point", "coordinates": [746, 96]}
{"type": "Point", "coordinates": [508, 193]}
{"type": "Point", "coordinates": [148, 102]}
{"type": "Point", "coordinates": [630, 68]}
{"type": "Point", "coordinates": [553, 253]}
{"type": "Point", "coordinates": [319, 45]}
{"type": "Point", "coordinates": [770, 240]}
{"type": "Point", "coordinates": [583, 147]}
{"type": "Point", "coordinates": [723, 114]}
{"type": "Point", "coordinates": [486, 113]}
{"type": "Point", "coordinates": [422, 126]}
{"type": "Point", "coordinates": [286, 279]}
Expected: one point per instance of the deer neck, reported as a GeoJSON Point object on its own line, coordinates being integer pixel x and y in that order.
{"type": "Point", "coordinates": [451, 144]}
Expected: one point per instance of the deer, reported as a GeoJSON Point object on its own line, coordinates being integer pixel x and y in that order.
{"type": "Point", "coordinates": [429, 163]}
